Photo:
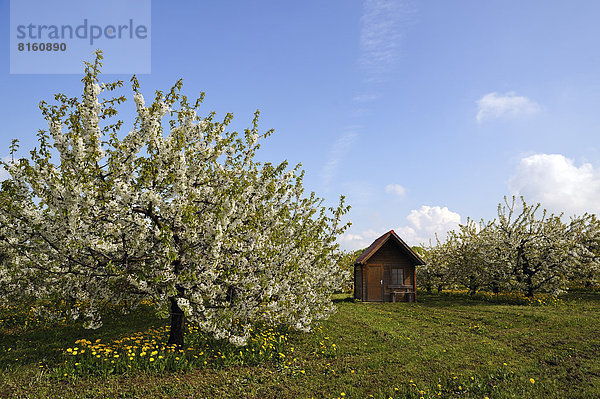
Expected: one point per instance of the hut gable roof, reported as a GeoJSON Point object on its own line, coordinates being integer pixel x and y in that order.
{"type": "Point", "coordinates": [378, 243]}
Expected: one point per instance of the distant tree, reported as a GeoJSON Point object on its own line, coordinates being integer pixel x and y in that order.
{"type": "Point", "coordinates": [419, 250]}
{"type": "Point", "coordinates": [347, 265]}
{"type": "Point", "coordinates": [588, 251]}
{"type": "Point", "coordinates": [523, 249]}
{"type": "Point", "coordinates": [539, 251]}
{"type": "Point", "coordinates": [467, 256]}
{"type": "Point", "coordinates": [430, 274]}
{"type": "Point", "coordinates": [177, 212]}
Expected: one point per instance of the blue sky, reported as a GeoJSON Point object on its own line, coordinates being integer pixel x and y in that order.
{"type": "Point", "coordinates": [421, 113]}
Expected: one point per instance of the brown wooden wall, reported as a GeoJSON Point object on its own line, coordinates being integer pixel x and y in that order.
{"type": "Point", "coordinates": [391, 253]}
{"type": "Point", "coordinates": [358, 282]}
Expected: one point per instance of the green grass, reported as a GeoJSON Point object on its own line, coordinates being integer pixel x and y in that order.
{"type": "Point", "coordinates": [443, 346]}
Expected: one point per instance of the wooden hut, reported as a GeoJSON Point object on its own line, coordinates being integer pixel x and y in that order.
{"type": "Point", "coordinates": [385, 272]}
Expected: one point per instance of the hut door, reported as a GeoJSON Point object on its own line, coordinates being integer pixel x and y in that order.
{"type": "Point", "coordinates": [375, 283]}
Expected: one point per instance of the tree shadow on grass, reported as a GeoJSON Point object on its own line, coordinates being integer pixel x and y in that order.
{"type": "Point", "coordinates": [441, 300]}
{"type": "Point", "coordinates": [451, 300]}
{"type": "Point", "coordinates": [592, 294]}
{"type": "Point", "coordinates": [26, 345]}
{"type": "Point", "coordinates": [339, 298]}
{"type": "Point", "coordinates": [436, 300]}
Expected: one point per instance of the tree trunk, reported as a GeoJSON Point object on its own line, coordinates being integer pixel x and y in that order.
{"type": "Point", "coordinates": [495, 287]}
{"type": "Point", "coordinates": [529, 281]}
{"type": "Point", "coordinates": [473, 286]}
{"type": "Point", "coordinates": [177, 324]}
{"type": "Point", "coordinates": [528, 274]}
{"type": "Point", "coordinates": [530, 289]}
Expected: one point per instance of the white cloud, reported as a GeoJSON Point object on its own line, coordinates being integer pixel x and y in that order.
{"type": "Point", "coordinates": [494, 105]}
{"type": "Point", "coordinates": [351, 237]}
{"type": "Point", "coordinates": [557, 183]}
{"type": "Point", "coordinates": [336, 154]}
{"type": "Point", "coordinates": [361, 240]}
{"type": "Point", "coordinates": [424, 224]}
{"type": "Point", "coordinates": [360, 193]}
{"type": "Point", "coordinates": [381, 34]}
{"type": "Point", "coordinates": [431, 220]}
{"type": "Point", "coordinates": [395, 189]}
{"type": "Point", "coordinates": [365, 98]}
{"type": "Point", "coordinates": [409, 235]}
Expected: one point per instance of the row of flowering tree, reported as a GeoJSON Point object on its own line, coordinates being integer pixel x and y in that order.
{"type": "Point", "coordinates": [524, 249]}
{"type": "Point", "coordinates": [175, 211]}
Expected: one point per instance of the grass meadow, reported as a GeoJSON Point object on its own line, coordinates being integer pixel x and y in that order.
{"type": "Point", "coordinates": [445, 346]}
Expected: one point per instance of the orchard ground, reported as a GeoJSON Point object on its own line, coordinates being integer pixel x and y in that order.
{"type": "Point", "coordinates": [446, 345]}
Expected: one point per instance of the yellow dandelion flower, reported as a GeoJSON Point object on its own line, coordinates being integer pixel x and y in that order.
{"type": "Point", "coordinates": [532, 380]}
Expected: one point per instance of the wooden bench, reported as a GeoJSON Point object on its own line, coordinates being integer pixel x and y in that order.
{"type": "Point", "coordinates": [402, 291]}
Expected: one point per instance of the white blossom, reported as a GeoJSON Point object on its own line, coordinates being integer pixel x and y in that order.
{"type": "Point", "coordinates": [163, 216]}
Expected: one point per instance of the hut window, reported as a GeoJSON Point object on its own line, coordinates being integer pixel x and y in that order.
{"type": "Point", "coordinates": [397, 276]}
